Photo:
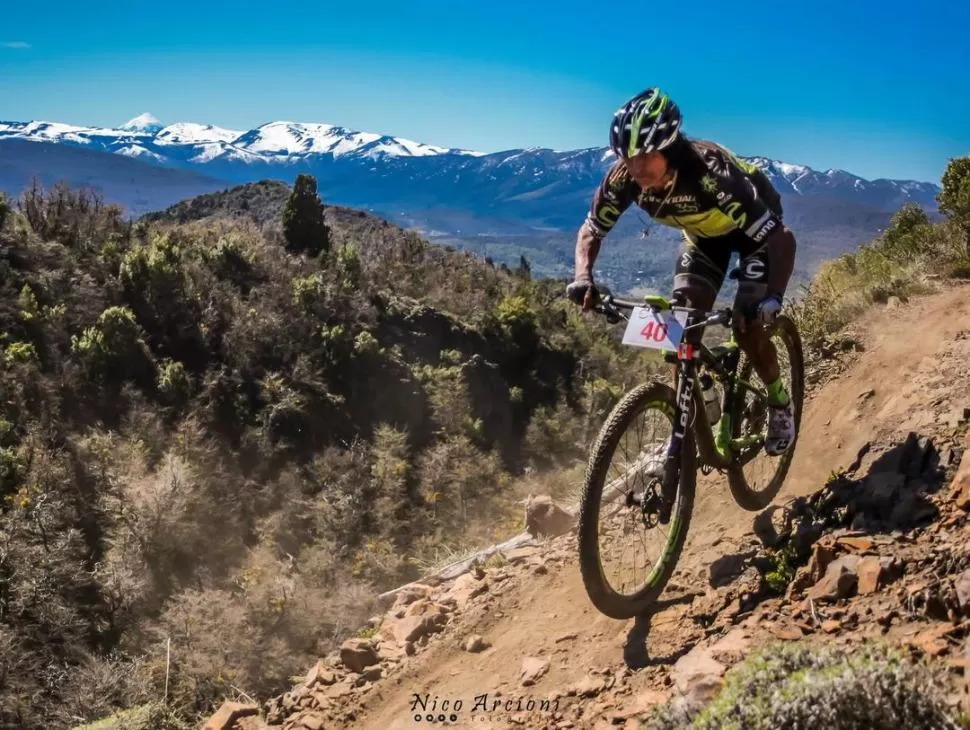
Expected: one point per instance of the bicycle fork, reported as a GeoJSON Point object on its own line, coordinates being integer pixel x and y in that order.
{"type": "Point", "coordinates": [682, 421]}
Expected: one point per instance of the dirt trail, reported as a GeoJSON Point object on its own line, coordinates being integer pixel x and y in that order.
{"type": "Point", "coordinates": [907, 377]}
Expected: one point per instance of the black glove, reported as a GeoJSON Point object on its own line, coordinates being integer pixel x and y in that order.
{"type": "Point", "coordinates": [576, 291]}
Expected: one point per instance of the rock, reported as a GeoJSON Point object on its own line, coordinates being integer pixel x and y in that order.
{"type": "Point", "coordinates": [962, 585]}
{"type": "Point", "coordinates": [831, 626]}
{"type": "Point", "coordinates": [475, 644]}
{"type": "Point", "coordinates": [566, 637]}
{"type": "Point", "coordinates": [869, 571]}
{"type": "Point", "coordinates": [787, 633]}
{"type": "Point", "coordinates": [732, 648]}
{"type": "Point", "coordinates": [517, 555]}
{"type": "Point", "coordinates": [390, 649]}
{"type": "Point", "coordinates": [771, 524]}
{"type": "Point", "coordinates": [588, 686]}
{"type": "Point", "coordinates": [960, 486]}
{"type": "Point", "coordinates": [839, 581]}
{"type": "Point", "coordinates": [532, 670]}
{"type": "Point", "coordinates": [881, 493]}
{"type": "Point", "coordinates": [641, 705]}
{"type": "Point", "coordinates": [543, 517]}
{"type": "Point", "coordinates": [410, 593]}
{"type": "Point", "coordinates": [356, 654]}
{"type": "Point", "coordinates": [856, 544]}
{"type": "Point", "coordinates": [465, 588]}
{"type": "Point", "coordinates": [319, 674]}
{"type": "Point", "coordinates": [227, 715]}
{"type": "Point", "coordinates": [421, 619]}
{"type": "Point", "coordinates": [341, 689]}
{"type": "Point", "coordinates": [705, 689]}
{"type": "Point", "coordinates": [696, 670]}
{"type": "Point", "coordinates": [371, 674]}
{"type": "Point", "coordinates": [313, 721]}
{"type": "Point", "coordinates": [822, 556]}
{"type": "Point", "coordinates": [932, 641]}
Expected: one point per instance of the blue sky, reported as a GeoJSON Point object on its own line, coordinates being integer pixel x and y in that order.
{"type": "Point", "coordinates": [878, 88]}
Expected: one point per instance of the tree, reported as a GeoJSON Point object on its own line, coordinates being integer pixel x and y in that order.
{"type": "Point", "coordinates": [908, 231]}
{"type": "Point", "coordinates": [4, 209]}
{"type": "Point", "coordinates": [954, 199]}
{"type": "Point", "coordinates": [304, 228]}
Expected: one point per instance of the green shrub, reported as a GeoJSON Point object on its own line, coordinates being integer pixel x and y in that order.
{"type": "Point", "coordinates": [114, 347]}
{"type": "Point", "coordinates": [801, 685]}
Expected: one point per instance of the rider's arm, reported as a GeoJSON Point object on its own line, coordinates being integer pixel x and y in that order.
{"type": "Point", "coordinates": [737, 198]}
{"type": "Point", "coordinates": [615, 194]}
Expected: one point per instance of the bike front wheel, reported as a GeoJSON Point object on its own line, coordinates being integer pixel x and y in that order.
{"type": "Point", "coordinates": [621, 490]}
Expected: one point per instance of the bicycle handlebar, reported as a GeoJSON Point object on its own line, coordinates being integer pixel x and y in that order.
{"type": "Point", "coordinates": [609, 306]}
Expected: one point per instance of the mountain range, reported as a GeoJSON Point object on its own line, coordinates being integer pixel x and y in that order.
{"type": "Point", "coordinates": [501, 204]}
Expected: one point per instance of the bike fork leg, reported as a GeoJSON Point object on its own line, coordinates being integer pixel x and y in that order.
{"type": "Point", "coordinates": [682, 412]}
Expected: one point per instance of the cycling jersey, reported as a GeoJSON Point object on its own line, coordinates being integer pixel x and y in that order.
{"type": "Point", "coordinates": [717, 195]}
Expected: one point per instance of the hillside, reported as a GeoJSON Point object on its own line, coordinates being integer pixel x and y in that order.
{"type": "Point", "coordinates": [514, 642]}
{"type": "Point", "coordinates": [625, 257]}
{"type": "Point", "coordinates": [210, 442]}
{"type": "Point", "coordinates": [866, 546]}
{"type": "Point", "coordinates": [135, 185]}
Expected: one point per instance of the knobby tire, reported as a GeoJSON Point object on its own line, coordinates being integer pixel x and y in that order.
{"type": "Point", "coordinates": [602, 595]}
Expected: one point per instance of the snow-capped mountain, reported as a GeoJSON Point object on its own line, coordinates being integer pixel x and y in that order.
{"type": "Point", "coordinates": [143, 123]}
{"type": "Point", "coordinates": [189, 143]}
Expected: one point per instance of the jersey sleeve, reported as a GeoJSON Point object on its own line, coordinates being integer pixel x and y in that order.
{"type": "Point", "coordinates": [615, 193]}
{"type": "Point", "coordinates": [736, 196]}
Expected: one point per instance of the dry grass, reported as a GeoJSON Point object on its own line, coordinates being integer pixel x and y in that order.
{"type": "Point", "coordinates": [847, 286]}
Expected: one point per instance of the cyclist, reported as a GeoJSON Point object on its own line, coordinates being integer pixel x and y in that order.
{"type": "Point", "coordinates": [722, 204]}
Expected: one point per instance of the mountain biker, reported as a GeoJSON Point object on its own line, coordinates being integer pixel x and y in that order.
{"type": "Point", "coordinates": [721, 204]}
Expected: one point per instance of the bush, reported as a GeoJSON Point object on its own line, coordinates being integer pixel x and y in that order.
{"type": "Point", "coordinates": [871, 686]}
{"type": "Point", "coordinates": [114, 349]}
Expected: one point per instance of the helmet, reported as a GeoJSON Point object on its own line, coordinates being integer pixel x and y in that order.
{"type": "Point", "coordinates": [649, 121]}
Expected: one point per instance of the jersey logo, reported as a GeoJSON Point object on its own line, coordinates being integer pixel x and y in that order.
{"type": "Point", "coordinates": [709, 184]}
{"type": "Point", "coordinates": [608, 215]}
{"type": "Point", "coordinates": [734, 212]}
{"type": "Point", "coordinates": [754, 270]}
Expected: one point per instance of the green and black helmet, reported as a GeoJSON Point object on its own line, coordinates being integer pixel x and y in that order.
{"type": "Point", "coordinates": [649, 121]}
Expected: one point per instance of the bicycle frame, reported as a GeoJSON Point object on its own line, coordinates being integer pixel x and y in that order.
{"type": "Point", "coordinates": [718, 450]}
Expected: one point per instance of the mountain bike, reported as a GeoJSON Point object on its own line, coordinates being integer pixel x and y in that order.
{"type": "Point", "coordinates": [655, 487]}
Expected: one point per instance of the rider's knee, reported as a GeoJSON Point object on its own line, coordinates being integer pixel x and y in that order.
{"type": "Point", "coordinates": [753, 338]}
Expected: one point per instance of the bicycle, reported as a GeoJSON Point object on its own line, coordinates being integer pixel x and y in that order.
{"type": "Point", "coordinates": [728, 445]}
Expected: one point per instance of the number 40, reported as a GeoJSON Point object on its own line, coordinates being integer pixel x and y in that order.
{"type": "Point", "coordinates": [656, 332]}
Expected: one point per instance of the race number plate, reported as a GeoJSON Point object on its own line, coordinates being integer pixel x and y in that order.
{"type": "Point", "coordinates": [655, 330]}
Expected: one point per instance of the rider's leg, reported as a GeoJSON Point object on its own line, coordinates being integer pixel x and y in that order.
{"type": "Point", "coordinates": [698, 276]}
{"type": "Point", "coordinates": [754, 341]}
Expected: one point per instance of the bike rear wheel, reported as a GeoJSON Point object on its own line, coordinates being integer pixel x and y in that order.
{"type": "Point", "coordinates": [755, 490]}
{"type": "Point", "coordinates": [625, 420]}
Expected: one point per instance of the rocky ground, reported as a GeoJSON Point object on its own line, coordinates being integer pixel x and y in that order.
{"type": "Point", "coordinates": [869, 539]}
